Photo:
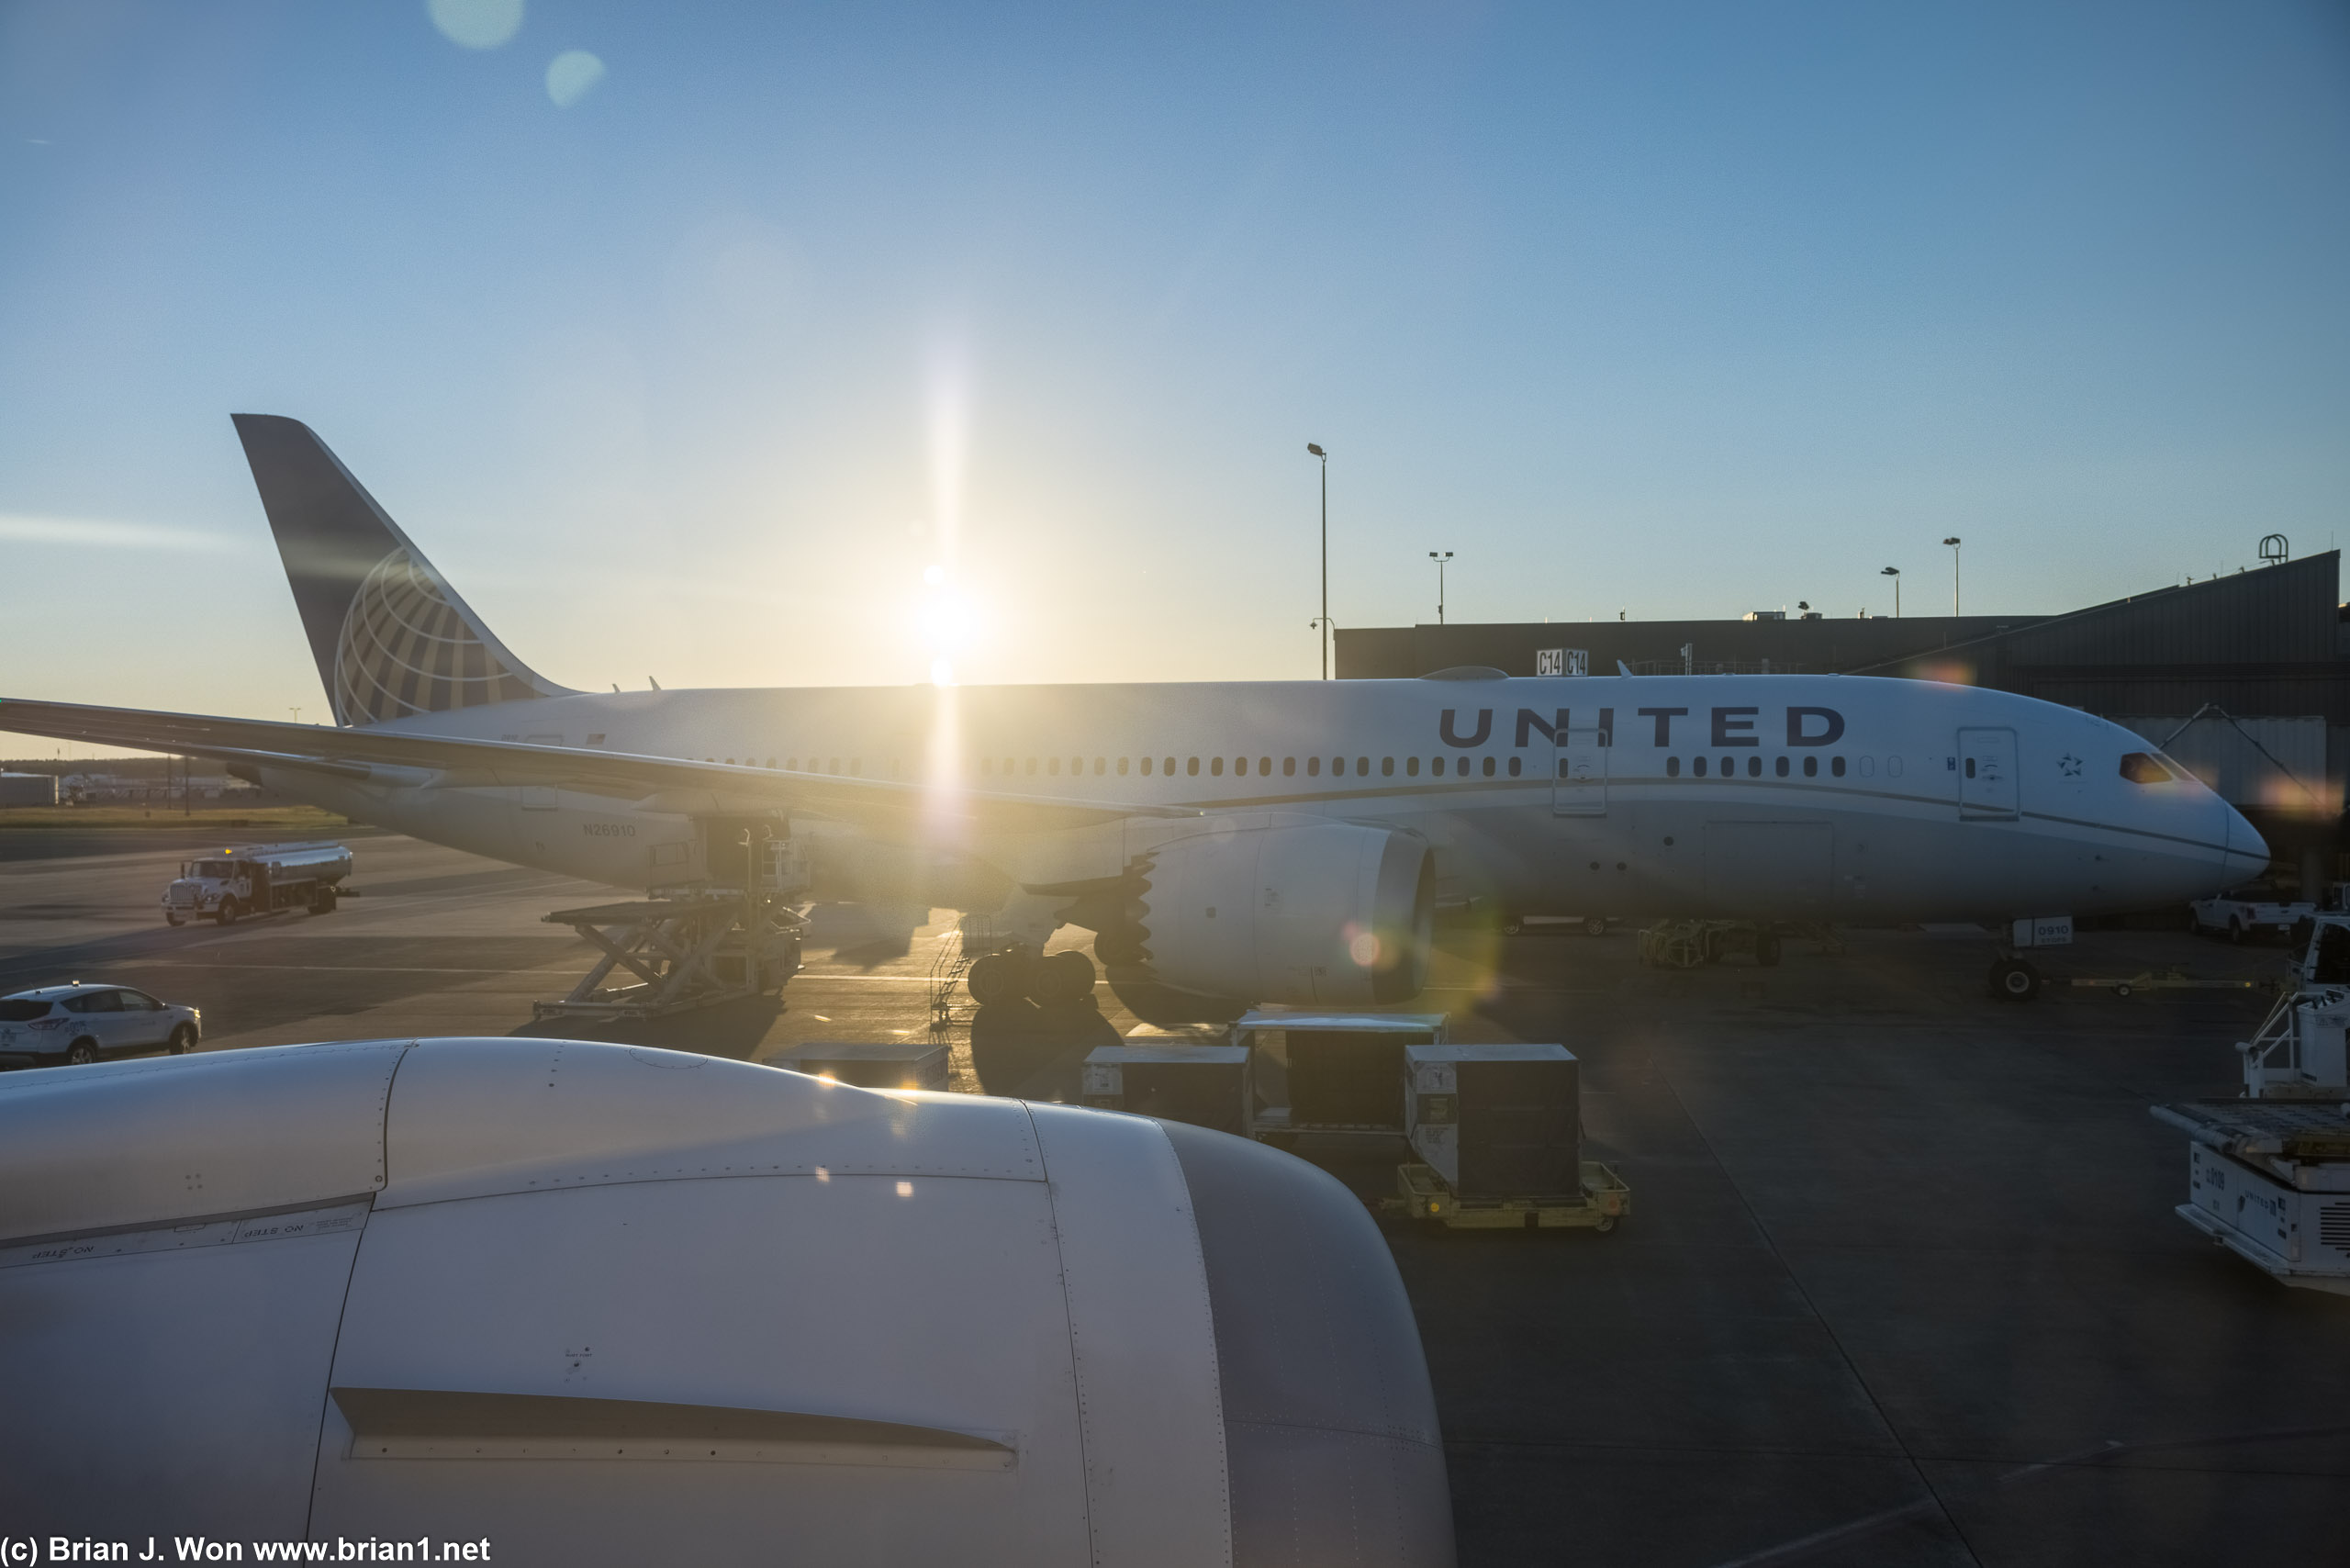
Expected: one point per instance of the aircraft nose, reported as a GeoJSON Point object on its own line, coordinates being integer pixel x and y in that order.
{"type": "Point", "coordinates": [2246, 854]}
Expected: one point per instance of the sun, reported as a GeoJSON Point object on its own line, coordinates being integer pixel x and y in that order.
{"type": "Point", "coordinates": [946, 619]}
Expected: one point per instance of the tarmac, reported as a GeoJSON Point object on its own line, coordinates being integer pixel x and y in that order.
{"type": "Point", "coordinates": [1901, 1284]}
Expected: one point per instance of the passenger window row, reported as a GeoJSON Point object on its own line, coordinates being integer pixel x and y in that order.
{"type": "Point", "coordinates": [819, 764]}
{"type": "Point", "coordinates": [1438, 767]}
{"type": "Point", "coordinates": [1699, 767]}
{"type": "Point", "coordinates": [1241, 766]}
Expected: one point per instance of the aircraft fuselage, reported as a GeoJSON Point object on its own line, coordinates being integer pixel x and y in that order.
{"type": "Point", "coordinates": [1833, 798]}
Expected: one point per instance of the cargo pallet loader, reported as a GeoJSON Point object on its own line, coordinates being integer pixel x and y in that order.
{"type": "Point", "coordinates": [695, 944]}
{"type": "Point", "coordinates": [2269, 1180]}
{"type": "Point", "coordinates": [694, 950]}
{"type": "Point", "coordinates": [2269, 1174]}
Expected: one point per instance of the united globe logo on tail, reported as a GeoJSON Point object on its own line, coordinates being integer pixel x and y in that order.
{"type": "Point", "coordinates": [406, 649]}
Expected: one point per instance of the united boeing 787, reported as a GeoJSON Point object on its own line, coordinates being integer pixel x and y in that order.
{"type": "Point", "coordinates": [1228, 842]}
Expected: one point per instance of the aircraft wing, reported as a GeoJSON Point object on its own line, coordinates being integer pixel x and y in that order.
{"type": "Point", "coordinates": [891, 808]}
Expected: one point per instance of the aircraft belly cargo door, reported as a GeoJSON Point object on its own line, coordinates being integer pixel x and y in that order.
{"type": "Point", "coordinates": [1986, 775]}
{"type": "Point", "coordinates": [1579, 778]}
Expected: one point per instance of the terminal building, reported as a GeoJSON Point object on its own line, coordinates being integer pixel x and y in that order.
{"type": "Point", "coordinates": [2243, 678]}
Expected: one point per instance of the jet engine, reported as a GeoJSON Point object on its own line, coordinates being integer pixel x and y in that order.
{"type": "Point", "coordinates": [542, 1301]}
{"type": "Point", "coordinates": [1329, 913]}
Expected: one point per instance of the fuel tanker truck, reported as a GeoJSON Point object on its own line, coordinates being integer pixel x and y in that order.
{"type": "Point", "coordinates": [259, 878]}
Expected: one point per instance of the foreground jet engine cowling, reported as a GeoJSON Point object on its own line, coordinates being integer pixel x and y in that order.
{"type": "Point", "coordinates": [603, 1304]}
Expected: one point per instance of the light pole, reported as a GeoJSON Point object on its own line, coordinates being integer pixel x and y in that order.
{"type": "Point", "coordinates": [1952, 542]}
{"type": "Point", "coordinates": [1325, 621]}
{"type": "Point", "coordinates": [1439, 557]}
{"type": "Point", "coordinates": [1894, 573]}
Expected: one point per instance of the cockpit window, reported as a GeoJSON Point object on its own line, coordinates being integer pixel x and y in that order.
{"type": "Point", "coordinates": [2139, 769]}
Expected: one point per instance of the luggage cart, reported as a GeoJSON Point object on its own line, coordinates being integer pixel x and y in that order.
{"type": "Point", "coordinates": [2165, 979]}
{"type": "Point", "coordinates": [1604, 1201]}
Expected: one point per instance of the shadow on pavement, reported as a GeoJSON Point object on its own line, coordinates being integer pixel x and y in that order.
{"type": "Point", "coordinates": [729, 1029]}
{"type": "Point", "coordinates": [1036, 1053]}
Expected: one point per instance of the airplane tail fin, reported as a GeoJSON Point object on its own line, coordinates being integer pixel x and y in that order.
{"type": "Point", "coordinates": [391, 637]}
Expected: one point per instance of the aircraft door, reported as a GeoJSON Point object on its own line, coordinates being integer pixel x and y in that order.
{"type": "Point", "coordinates": [1986, 775]}
{"type": "Point", "coordinates": [1579, 774]}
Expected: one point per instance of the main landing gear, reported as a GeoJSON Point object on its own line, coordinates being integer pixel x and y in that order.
{"type": "Point", "coordinates": [1056, 980]}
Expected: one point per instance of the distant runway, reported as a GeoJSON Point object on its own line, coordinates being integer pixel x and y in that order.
{"type": "Point", "coordinates": [1901, 1285]}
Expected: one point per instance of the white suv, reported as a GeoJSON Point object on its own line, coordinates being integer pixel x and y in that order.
{"type": "Point", "coordinates": [70, 1024]}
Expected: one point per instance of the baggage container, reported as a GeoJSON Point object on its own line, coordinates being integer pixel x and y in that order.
{"type": "Point", "coordinates": [1333, 1071]}
{"type": "Point", "coordinates": [1496, 1121]}
{"type": "Point", "coordinates": [1208, 1086]}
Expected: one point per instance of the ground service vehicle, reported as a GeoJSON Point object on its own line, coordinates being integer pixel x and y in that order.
{"type": "Point", "coordinates": [257, 879]}
{"type": "Point", "coordinates": [2247, 912]}
{"type": "Point", "coordinates": [73, 1024]}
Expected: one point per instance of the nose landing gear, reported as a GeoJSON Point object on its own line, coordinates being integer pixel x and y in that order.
{"type": "Point", "coordinates": [2014, 978]}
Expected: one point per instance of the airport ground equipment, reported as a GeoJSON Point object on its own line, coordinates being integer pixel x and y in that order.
{"type": "Point", "coordinates": [691, 949]}
{"type": "Point", "coordinates": [603, 1304]}
{"type": "Point", "coordinates": [1206, 1086]}
{"type": "Point", "coordinates": [2298, 1051]}
{"type": "Point", "coordinates": [869, 1064]}
{"type": "Point", "coordinates": [258, 878]}
{"type": "Point", "coordinates": [2246, 913]}
{"type": "Point", "coordinates": [1601, 1203]}
{"type": "Point", "coordinates": [2325, 951]}
{"type": "Point", "coordinates": [2269, 1180]}
{"type": "Point", "coordinates": [974, 938]}
{"type": "Point", "coordinates": [948, 965]}
{"type": "Point", "coordinates": [1685, 944]}
{"type": "Point", "coordinates": [2168, 977]}
{"type": "Point", "coordinates": [1586, 925]}
{"type": "Point", "coordinates": [1331, 1073]}
{"type": "Point", "coordinates": [1497, 1121]}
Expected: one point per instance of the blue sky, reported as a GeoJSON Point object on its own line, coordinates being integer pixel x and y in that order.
{"type": "Point", "coordinates": [1675, 310]}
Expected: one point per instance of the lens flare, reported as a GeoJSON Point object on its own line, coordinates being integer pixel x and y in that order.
{"type": "Point", "coordinates": [570, 74]}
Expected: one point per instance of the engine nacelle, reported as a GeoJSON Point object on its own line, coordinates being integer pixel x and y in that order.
{"type": "Point", "coordinates": [1315, 914]}
{"type": "Point", "coordinates": [599, 1305]}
